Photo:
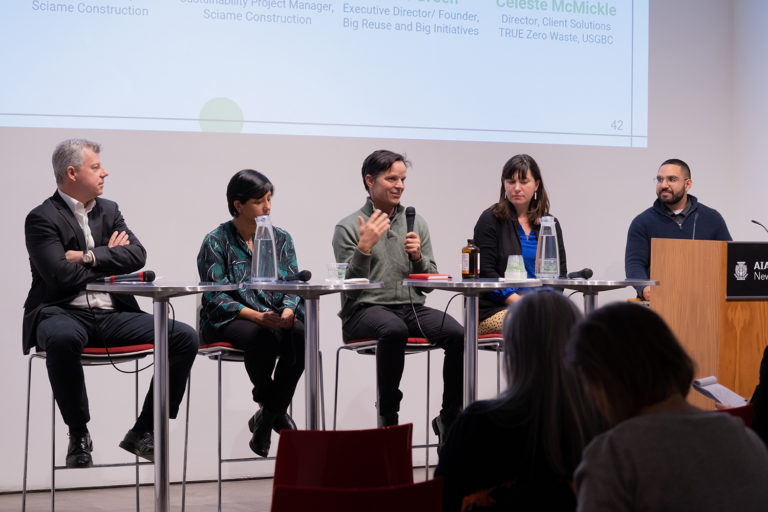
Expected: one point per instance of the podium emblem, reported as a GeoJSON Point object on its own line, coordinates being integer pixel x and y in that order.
{"type": "Point", "coordinates": [746, 271]}
{"type": "Point", "coordinates": [741, 271]}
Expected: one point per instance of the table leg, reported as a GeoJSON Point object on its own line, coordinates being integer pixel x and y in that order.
{"type": "Point", "coordinates": [590, 302]}
{"type": "Point", "coordinates": [160, 384]}
{"type": "Point", "coordinates": [311, 348]}
{"type": "Point", "coordinates": [470, 349]}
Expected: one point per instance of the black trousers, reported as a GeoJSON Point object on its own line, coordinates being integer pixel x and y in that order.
{"type": "Point", "coordinates": [267, 351]}
{"type": "Point", "coordinates": [392, 325]}
{"type": "Point", "coordinates": [63, 332]}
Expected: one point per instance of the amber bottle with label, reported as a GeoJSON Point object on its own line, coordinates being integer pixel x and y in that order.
{"type": "Point", "coordinates": [470, 261]}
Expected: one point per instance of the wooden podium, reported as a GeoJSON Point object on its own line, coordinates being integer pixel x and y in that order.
{"type": "Point", "coordinates": [725, 338]}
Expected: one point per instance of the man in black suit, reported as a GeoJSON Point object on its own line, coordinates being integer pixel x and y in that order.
{"type": "Point", "coordinates": [74, 238]}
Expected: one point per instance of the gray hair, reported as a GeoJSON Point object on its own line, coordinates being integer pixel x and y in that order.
{"type": "Point", "coordinates": [70, 152]}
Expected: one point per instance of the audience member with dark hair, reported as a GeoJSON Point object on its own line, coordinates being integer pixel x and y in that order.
{"type": "Point", "coordinates": [266, 325]}
{"type": "Point", "coordinates": [519, 451]}
{"type": "Point", "coordinates": [511, 227]}
{"type": "Point", "coordinates": [661, 453]}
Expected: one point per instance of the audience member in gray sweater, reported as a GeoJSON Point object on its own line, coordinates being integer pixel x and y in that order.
{"type": "Point", "coordinates": [661, 453]}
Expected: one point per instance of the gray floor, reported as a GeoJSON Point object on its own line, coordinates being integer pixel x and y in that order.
{"type": "Point", "coordinates": [237, 496]}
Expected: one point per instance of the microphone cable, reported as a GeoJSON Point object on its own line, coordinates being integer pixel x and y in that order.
{"type": "Point", "coordinates": [114, 363]}
{"type": "Point", "coordinates": [442, 321]}
{"type": "Point", "coordinates": [172, 324]}
{"type": "Point", "coordinates": [695, 218]}
{"type": "Point", "coordinates": [416, 315]}
{"type": "Point", "coordinates": [292, 329]}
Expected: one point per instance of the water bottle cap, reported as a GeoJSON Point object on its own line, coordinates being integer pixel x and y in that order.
{"type": "Point", "coordinates": [547, 219]}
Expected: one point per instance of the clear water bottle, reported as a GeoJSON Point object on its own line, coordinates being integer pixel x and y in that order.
{"type": "Point", "coordinates": [547, 254]}
{"type": "Point", "coordinates": [264, 259]}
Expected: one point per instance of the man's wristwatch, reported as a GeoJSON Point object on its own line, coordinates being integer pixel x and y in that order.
{"type": "Point", "coordinates": [87, 258]}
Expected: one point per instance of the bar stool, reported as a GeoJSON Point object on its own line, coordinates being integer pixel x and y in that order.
{"type": "Point", "coordinates": [493, 342]}
{"type": "Point", "coordinates": [92, 356]}
{"type": "Point", "coordinates": [226, 352]}
{"type": "Point", "coordinates": [367, 346]}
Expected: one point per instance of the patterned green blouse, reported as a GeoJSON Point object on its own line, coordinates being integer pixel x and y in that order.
{"type": "Point", "coordinates": [225, 258]}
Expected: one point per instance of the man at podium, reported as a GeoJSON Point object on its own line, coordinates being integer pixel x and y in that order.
{"type": "Point", "coordinates": [675, 214]}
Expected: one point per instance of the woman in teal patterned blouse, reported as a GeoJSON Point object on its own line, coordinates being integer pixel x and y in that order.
{"type": "Point", "coordinates": [268, 326]}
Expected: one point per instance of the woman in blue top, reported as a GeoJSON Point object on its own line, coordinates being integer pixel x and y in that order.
{"type": "Point", "coordinates": [509, 227]}
{"type": "Point", "coordinates": [266, 325]}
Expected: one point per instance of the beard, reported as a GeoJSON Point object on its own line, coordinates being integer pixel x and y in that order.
{"type": "Point", "coordinates": [672, 199]}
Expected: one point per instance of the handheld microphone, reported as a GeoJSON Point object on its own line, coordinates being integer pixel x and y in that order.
{"type": "Point", "coordinates": [584, 273]}
{"type": "Point", "coordinates": [410, 216]}
{"type": "Point", "coordinates": [147, 276]}
{"type": "Point", "coordinates": [304, 275]}
{"type": "Point", "coordinates": [766, 229]}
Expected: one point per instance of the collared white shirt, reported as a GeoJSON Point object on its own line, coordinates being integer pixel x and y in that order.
{"type": "Point", "coordinates": [100, 300]}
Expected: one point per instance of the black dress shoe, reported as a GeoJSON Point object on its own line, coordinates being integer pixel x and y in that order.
{"type": "Point", "coordinates": [261, 425]}
{"type": "Point", "coordinates": [140, 443]}
{"type": "Point", "coordinates": [79, 451]}
{"type": "Point", "coordinates": [441, 425]}
{"type": "Point", "coordinates": [388, 420]}
{"type": "Point", "coordinates": [282, 422]}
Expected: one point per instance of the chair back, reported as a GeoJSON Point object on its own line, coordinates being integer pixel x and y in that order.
{"type": "Point", "coordinates": [744, 412]}
{"type": "Point", "coordinates": [424, 497]}
{"type": "Point", "coordinates": [345, 458]}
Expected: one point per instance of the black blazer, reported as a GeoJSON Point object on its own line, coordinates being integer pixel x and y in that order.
{"type": "Point", "coordinates": [497, 240]}
{"type": "Point", "coordinates": [50, 230]}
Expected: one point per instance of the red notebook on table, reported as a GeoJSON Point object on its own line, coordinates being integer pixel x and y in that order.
{"type": "Point", "coordinates": [430, 277]}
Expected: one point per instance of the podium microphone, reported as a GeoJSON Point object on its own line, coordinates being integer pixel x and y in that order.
{"type": "Point", "coordinates": [410, 216]}
{"type": "Point", "coordinates": [766, 229]}
{"type": "Point", "coordinates": [147, 276]}
{"type": "Point", "coordinates": [584, 273]}
{"type": "Point", "coordinates": [304, 275]}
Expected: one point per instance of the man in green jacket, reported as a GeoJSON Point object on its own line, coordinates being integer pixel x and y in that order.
{"type": "Point", "coordinates": [376, 244]}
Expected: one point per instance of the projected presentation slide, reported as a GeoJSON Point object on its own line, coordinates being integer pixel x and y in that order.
{"type": "Point", "coordinates": [541, 71]}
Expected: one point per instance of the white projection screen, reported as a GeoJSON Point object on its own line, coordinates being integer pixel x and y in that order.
{"type": "Point", "coordinates": [529, 71]}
